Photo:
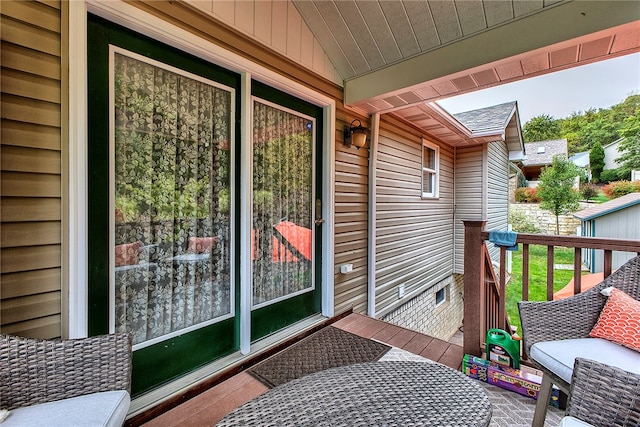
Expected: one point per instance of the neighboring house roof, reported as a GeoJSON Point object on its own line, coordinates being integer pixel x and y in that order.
{"type": "Point", "coordinates": [580, 159]}
{"type": "Point", "coordinates": [444, 127]}
{"type": "Point", "coordinates": [616, 142]}
{"type": "Point", "coordinates": [501, 120]}
{"type": "Point", "coordinates": [487, 119]}
{"type": "Point", "coordinates": [608, 207]}
{"type": "Point", "coordinates": [543, 152]}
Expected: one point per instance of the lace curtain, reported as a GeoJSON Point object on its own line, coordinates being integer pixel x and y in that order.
{"type": "Point", "coordinates": [282, 203]}
{"type": "Point", "coordinates": [172, 207]}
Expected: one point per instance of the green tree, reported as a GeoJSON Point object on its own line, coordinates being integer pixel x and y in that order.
{"type": "Point", "coordinates": [541, 128]}
{"type": "Point", "coordinates": [600, 130]}
{"type": "Point", "coordinates": [596, 160]}
{"type": "Point", "coordinates": [630, 145]}
{"type": "Point", "coordinates": [556, 190]}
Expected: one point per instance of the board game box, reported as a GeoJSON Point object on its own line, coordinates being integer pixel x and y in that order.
{"type": "Point", "coordinates": [521, 381]}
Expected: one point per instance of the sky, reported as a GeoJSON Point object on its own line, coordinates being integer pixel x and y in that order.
{"type": "Point", "coordinates": [598, 85]}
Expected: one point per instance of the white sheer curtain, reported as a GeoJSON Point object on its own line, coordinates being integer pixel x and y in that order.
{"type": "Point", "coordinates": [282, 203]}
{"type": "Point", "coordinates": [172, 206]}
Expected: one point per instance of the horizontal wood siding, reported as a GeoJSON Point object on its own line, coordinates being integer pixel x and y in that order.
{"type": "Point", "coordinates": [622, 224]}
{"type": "Point", "coordinates": [351, 222]}
{"type": "Point", "coordinates": [31, 168]}
{"type": "Point", "coordinates": [414, 242]}
{"type": "Point", "coordinates": [469, 195]}
{"type": "Point", "coordinates": [276, 24]}
{"type": "Point", "coordinates": [497, 191]}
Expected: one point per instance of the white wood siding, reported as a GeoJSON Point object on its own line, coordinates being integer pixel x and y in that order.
{"type": "Point", "coordinates": [497, 191]}
{"type": "Point", "coordinates": [622, 224]}
{"type": "Point", "coordinates": [469, 195]}
{"type": "Point", "coordinates": [414, 242]}
{"type": "Point", "coordinates": [276, 24]}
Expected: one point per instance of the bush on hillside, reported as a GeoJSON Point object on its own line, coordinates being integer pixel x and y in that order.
{"type": "Point", "coordinates": [617, 189]}
{"type": "Point", "coordinates": [610, 175]}
{"type": "Point", "coordinates": [589, 191]}
{"type": "Point", "coordinates": [526, 195]}
{"type": "Point", "coordinates": [520, 223]}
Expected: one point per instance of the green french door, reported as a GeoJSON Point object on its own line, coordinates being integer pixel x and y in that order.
{"type": "Point", "coordinates": [161, 153]}
{"type": "Point", "coordinates": [286, 223]}
{"type": "Point", "coordinates": [163, 219]}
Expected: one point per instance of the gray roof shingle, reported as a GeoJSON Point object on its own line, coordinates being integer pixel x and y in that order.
{"type": "Point", "coordinates": [608, 207]}
{"type": "Point", "coordinates": [491, 118]}
{"type": "Point", "coordinates": [536, 156]}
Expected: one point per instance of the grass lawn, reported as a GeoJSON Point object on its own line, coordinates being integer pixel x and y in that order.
{"type": "Point", "coordinates": [537, 278]}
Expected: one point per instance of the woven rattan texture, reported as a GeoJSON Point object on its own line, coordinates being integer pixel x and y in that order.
{"type": "Point", "coordinates": [370, 394]}
{"type": "Point", "coordinates": [604, 396]}
{"type": "Point", "coordinates": [574, 317]}
{"type": "Point", "coordinates": [328, 348]}
{"type": "Point", "coordinates": [35, 371]}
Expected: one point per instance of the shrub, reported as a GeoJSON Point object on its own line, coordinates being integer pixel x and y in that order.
{"type": "Point", "coordinates": [616, 189]}
{"type": "Point", "coordinates": [521, 223]}
{"type": "Point", "coordinates": [526, 195]}
{"type": "Point", "coordinates": [610, 175]}
{"type": "Point", "coordinates": [589, 191]}
{"type": "Point", "coordinates": [522, 181]}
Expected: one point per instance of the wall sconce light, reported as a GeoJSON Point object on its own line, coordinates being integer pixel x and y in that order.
{"type": "Point", "coordinates": [355, 135]}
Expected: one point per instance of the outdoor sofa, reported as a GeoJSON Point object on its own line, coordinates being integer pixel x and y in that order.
{"type": "Point", "coordinates": [79, 382]}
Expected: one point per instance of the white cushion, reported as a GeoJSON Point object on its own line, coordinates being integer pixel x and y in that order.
{"type": "Point", "coordinates": [98, 409]}
{"type": "Point", "coordinates": [573, 422]}
{"type": "Point", "coordinates": [559, 356]}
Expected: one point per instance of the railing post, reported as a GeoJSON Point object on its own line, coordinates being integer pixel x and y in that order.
{"type": "Point", "coordinates": [473, 295]}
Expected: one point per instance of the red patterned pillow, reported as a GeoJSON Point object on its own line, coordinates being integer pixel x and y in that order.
{"type": "Point", "coordinates": [619, 320]}
{"type": "Point", "coordinates": [127, 254]}
{"type": "Point", "coordinates": [200, 245]}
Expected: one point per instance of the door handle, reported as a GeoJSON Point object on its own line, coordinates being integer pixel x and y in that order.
{"type": "Point", "coordinates": [319, 219]}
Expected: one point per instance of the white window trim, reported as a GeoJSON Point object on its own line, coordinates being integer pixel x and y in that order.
{"type": "Point", "coordinates": [136, 19]}
{"type": "Point", "coordinates": [446, 296]}
{"type": "Point", "coordinates": [436, 171]}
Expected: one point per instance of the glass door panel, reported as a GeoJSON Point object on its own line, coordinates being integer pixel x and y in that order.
{"type": "Point", "coordinates": [172, 226]}
{"type": "Point", "coordinates": [283, 231]}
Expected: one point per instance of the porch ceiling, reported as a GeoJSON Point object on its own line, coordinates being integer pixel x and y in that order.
{"type": "Point", "coordinates": [397, 55]}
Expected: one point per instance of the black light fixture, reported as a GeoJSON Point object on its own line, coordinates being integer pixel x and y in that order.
{"type": "Point", "coordinates": [355, 135]}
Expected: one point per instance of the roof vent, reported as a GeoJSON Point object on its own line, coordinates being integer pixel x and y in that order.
{"type": "Point", "coordinates": [541, 150]}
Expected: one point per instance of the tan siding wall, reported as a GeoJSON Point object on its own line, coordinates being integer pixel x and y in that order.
{"type": "Point", "coordinates": [351, 223]}
{"type": "Point", "coordinates": [469, 191]}
{"type": "Point", "coordinates": [30, 234]}
{"type": "Point", "coordinates": [276, 24]}
{"type": "Point", "coordinates": [414, 244]}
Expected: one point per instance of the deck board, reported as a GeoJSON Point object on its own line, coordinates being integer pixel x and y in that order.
{"type": "Point", "coordinates": [209, 407]}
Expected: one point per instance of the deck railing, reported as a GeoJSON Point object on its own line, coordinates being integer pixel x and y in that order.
{"type": "Point", "coordinates": [485, 290]}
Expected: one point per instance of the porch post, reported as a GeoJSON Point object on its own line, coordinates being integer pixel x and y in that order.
{"type": "Point", "coordinates": [473, 297]}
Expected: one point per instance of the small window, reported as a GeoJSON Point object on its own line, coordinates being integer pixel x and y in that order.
{"type": "Point", "coordinates": [430, 163]}
{"type": "Point", "coordinates": [441, 296]}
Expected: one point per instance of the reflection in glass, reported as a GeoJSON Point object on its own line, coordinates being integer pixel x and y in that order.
{"type": "Point", "coordinates": [172, 222]}
{"type": "Point", "coordinates": [282, 203]}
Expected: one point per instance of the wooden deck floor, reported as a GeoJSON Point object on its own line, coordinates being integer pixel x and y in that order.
{"type": "Point", "coordinates": [209, 407]}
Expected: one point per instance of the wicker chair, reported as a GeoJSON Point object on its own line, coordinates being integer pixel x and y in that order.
{"type": "Point", "coordinates": [34, 371]}
{"type": "Point", "coordinates": [570, 318]}
{"type": "Point", "coordinates": [593, 400]}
